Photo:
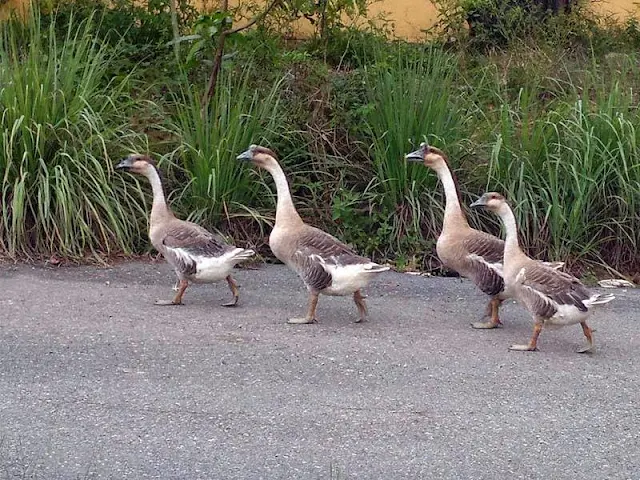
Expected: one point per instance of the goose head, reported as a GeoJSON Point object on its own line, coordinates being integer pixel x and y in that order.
{"type": "Point", "coordinates": [259, 156]}
{"type": "Point", "coordinates": [137, 163]}
{"type": "Point", "coordinates": [492, 201]}
{"type": "Point", "coordinates": [432, 157]}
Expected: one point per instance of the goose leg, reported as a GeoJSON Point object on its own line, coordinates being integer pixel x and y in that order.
{"type": "Point", "coordinates": [177, 300]}
{"type": "Point", "coordinates": [362, 307]}
{"type": "Point", "coordinates": [532, 346]}
{"type": "Point", "coordinates": [589, 334]}
{"type": "Point", "coordinates": [311, 313]}
{"type": "Point", "coordinates": [233, 286]}
{"type": "Point", "coordinates": [492, 311]}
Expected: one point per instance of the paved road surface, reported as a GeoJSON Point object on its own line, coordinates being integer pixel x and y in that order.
{"type": "Point", "coordinates": [96, 382]}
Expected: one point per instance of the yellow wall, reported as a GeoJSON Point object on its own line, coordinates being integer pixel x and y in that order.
{"type": "Point", "coordinates": [409, 17]}
{"type": "Point", "coordinates": [11, 5]}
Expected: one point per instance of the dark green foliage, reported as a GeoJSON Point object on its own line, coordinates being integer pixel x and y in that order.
{"type": "Point", "coordinates": [550, 120]}
{"type": "Point", "coordinates": [208, 141]}
{"type": "Point", "coordinates": [142, 29]}
{"type": "Point", "coordinates": [489, 25]}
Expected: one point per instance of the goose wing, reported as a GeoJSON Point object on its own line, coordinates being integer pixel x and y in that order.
{"type": "Point", "coordinates": [186, 243]}
{"type": "Point", "coordinates": [545, 289]}
{"type": "Point", "coordinates": [317, 249]}
{"type": "Point", "coordinates": [482, 261]}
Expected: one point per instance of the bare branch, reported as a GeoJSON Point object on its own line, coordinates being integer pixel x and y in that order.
{"type": "Point", "coordinates": [217, 64]}
{"type": "Point", "coordinates": [255, 19]}
{"type": "Point", "coordinates": [176, 29]}
{"type": "Point", "coordinates": [217, 61]}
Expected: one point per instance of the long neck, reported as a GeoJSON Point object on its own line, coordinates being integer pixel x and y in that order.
{"type": "Point", "coordinates": [159, 208]}
{"type": "Point", "coordinates": [512, 248]}
{"type": "Point", "coordinates": [452, 212]}
{"type": "Point", "coordinates": [285, 210]}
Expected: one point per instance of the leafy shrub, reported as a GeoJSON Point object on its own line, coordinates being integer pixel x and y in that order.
{"type": "Point", "coordinates": [141, 29]}
{"type": "Point", "coordinates": [486, 25]}
{"type": "Point", "coordinates": [326, 16]}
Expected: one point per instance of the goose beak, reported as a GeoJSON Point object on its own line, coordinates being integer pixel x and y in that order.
{"type": "Point", "coordinates": [481, 202]}
{"type": "Point", "coordinates": [418, 155]}
{"type": "Point", "coordinates": [246, 155]}
{"type": "Point", "coordinates": [124, 164]}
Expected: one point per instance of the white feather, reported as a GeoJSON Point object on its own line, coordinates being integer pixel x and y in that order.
{"type": "Point", "coordinates": [347, 279]}
{"type": "Point", "coordinates": [554, 265]}
{"type": "Point", "coordinates": [599, 299]}
{"type": "Point", "coordinates": [212, 269]}
{"type": "Point", "coordinates": [566, 314]}
{"type": "Point", "coordinates": [521, 277]}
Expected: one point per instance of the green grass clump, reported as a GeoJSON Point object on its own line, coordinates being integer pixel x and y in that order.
{"type": "Point", "coordinates": [411, 96]}
{"type": "Point", "coordinates": [210, 139]}
{"type": "Point", "coordinates": [61, 119]}
{"type": "Point", "coordinates": [548, 117]}
{"type": "Point", "coordinates": [573, 175]}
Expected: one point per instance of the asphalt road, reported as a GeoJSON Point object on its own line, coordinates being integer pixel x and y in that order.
{"type": "Point", "coordinates": [97, 382]}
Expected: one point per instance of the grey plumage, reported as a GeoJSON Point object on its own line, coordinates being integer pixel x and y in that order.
{"type": "Point", "coordinates": [326, 265]}
{"type": "Point", "coordinates": [483, 249]}
{"type": "Point", "coordinates": [194, 240]}
{"type": "Point", "coordinates": [313, 250]}
{"type": "Point", "coordinates": [554, 298]}
{"type": "Point", "coordinates": [195, 254]}
{"type": "Point", "coordinates": [543, 288]}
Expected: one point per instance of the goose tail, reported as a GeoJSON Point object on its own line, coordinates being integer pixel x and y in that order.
{"type": "Point", "coordinates": [599, 299]}
{"type": "Point", "coordinates": [375, 268]}
{"type": "Point", "coordinates": [242, 254]}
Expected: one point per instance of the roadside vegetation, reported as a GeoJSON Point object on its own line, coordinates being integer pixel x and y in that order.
{"type": "Point", "coordinates": [542, 107]}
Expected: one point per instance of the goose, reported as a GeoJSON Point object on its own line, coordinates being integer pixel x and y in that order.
{"type": "Point", "coordinates": [196, 255]}
{"type": "Point", "coordinates": [325, 265]}
{"type": "Point", "coordinates": [472, 253]}
{"type": "Point", "coordinates": [554, 298]}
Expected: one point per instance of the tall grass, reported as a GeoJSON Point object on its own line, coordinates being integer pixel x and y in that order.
{"type": "Point", "coordinates": [412, 96]}
{"type": "Point", "coordinates": [574, 176]}
{"type": "Point", "coordinates": [61, 118]}
{"type": "Point", "coordinates": [556, 131]}
{"type": "Point", "coordinates": [210, 141]}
